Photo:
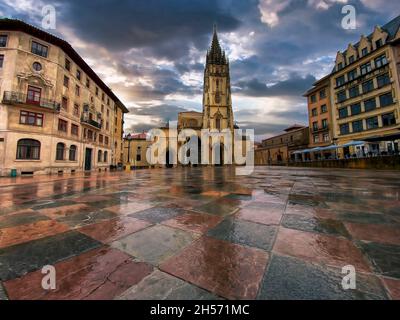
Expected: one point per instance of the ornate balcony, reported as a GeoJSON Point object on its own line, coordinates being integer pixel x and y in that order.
{"type": "Point", "coordinates": [14, 97]}
{"type": "Point", "coordinates": [320, 129]}
{"type": "Point", "coordinates": [93, 123]}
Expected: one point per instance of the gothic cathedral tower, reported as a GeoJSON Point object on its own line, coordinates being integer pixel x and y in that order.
{"type": "Point", "coordinates": [217, 103]}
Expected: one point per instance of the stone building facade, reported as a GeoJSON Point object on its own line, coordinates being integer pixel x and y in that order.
{"type": "Point", "coordinates": [56, 114]}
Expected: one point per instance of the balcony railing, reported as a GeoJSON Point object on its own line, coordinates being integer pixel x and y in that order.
{"type": "Point", "coordinates": [91, 122]}
{"type": "Point", "coordinates": [319, 129]}
{"type": "Point", "coordinates": [14, 97]}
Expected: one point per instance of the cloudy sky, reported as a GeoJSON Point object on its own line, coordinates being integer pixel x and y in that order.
{"type": "Point", "coordinates": [152, 52]}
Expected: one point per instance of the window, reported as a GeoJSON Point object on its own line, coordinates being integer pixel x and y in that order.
{"type": "Point", "coordinates": [3, 40]}
{"type": "Point", "coordinates": [99, 156]}
{"type": "Point", "coordinates": [100, 138]}
{"type": "Point", "coordinates": [372, 123]}
{"type": "Point", "coordinates": [388, 119]}
{"type": "Point", "coordinates": [39, 49]}
{"type": "Point", "coordinates": [28, 149]}
{"type": "Point", "coordinates": [97, 91]}
{"type": "Point", "coordinates": [316, 138]}
{"type": "Point", "coordinates": [343, 113]}
{"type": "Point", "coordinates": [341, 96]}
{"type": "Point", "coordinates": [351, 59]}
{"type": "Point", "coordinates": [72, 153]}
{"type": "Point", "coordinates": [326, 137]}
{"type": "Point", "coordinates": [340, 66]}
{"type": "Point", "coordinates": [107, 126]}
{"type": "Point", "coordinates": [368, 86]}
{"type": "Point", "coordinates": [64, 103]}
{"type": "Point", "coordinates": [76, 110]}
{"type": "Point", "coordinates": [90, 134]}
{"type": "Point", "coordinates": [1, 60]}
{"type": "Point", "coordinates": [313, 98]}
{"type": "Point", "coordinates": [386, 99]}
{"type": "Point", "coordinates": [87, 82]}
{"type": "Point", "coordinates": [67, 64]}
{"type": "Point", "coordinates": [380, 61]}
{"type": "Point", "coordinates": [340, 81]}
{"type": "Point", "coordinates": [383, 80]}
{"type": "Point", "coordinates": [60, 151]}
{"type": "Point", "coordinates": [351, 75]}
{"type": "Point", "coordinates": [37, 66]}
{"type": "Point", "coordinates": [315, 126]}
{"type": "Point", "coordinates": [108, 112]}
{"type": "Point", "coordinates": [365, 68]}
{"type": "Point", "coordinates": [355, 109]}
{"type": "Point", "coordinates": [322, 94]}
{"type": "Point", "coordinates": [108, 101]}
{"type": "Point", "coordinates": [66, 81]}
{"type": "Point", "coordinates": [105, 156]}
{"type": "Point", "coordinates": [74, 130]}
{"type": "Point", "coordinates": [102, 108]}
{"type": "Point", "coordinates": [344, 128]}
{"type": "Point", "coordinates": [62, 125]}
{"type": "Point", "coordinates": [364, 52]}
{"type": "Point", "coordinates": [314, 112]}
{"type": "Point", "coordinates": [354, 92]}
{"type": "Point", "coordinates": [370, 104]}
{"type": "Point", "coordinates": [33, 95]}
{"type": "Point", "coordinates": [78, 74]}
{"type": "Point", "coordinates": [106, 140]}
{"type": "Point", "coordinates": [324, 123]}
{"type": "Point", "coordinates": [103, 97]}
{"type": "Point", "coordinates": [77, 90]}
{"type": "Point", "coordinates": [358, 126]}
{"type": "Point", "coordinates": [31, 118]}
{"type": "Point", "coordinates": [324, 108]}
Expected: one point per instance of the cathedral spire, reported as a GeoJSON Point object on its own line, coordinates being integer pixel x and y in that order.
{"type": "Point", "coordinates": [215, 55]}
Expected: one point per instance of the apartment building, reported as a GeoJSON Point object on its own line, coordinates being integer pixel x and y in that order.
{"type": "Point", "coordinates": [320, 118]}
{"type": "Point", "coordinates": [365, 93]}
{"type": "Point", "coordinates": [56, 114]}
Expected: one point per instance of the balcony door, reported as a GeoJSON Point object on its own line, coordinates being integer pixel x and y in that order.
{"type": "Point", "coordinates": [34, 95]}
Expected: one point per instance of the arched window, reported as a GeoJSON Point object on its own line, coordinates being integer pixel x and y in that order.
{"type": "Point", "coordinates": [28, 149]}
{"type": "Point", "coordinates": [60, 152]}
{"type": "Point", "coordinates": [139, 153]}
{"type": "Point", "coordinates": [105, 156]}
{"type": "Point", "coordinates": [99, 156]}
{"type": "Point", "coordinates": [72, 153]}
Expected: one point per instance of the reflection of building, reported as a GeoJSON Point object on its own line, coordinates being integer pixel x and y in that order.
{"type": "Point", "coordinates": [56, 114]}
{"type": "Point", "coordinates": [135, 148]}
{"type": "Point", "coordinates": [364, 95]}
{"type": "Point", "coordinates": [279, 149]}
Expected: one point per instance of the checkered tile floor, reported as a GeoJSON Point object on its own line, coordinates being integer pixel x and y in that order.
{"type": "Point", "coordinates": [202, 233]}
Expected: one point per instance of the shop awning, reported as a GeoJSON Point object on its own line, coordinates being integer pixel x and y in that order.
{"type": "Point", "coordinates": [352, 143]}
{"type": "Point", "coordinates": [390, 137]}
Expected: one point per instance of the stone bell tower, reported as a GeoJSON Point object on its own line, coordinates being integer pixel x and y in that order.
{"type": "Point", "coordinates": [217, 103]}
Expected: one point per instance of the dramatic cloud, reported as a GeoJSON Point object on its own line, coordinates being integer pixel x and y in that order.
{"type": "Point", "coordinates": [152, 53]}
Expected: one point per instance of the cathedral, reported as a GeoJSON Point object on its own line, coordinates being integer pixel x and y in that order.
{"type": "Point", "coordinates": [217, 103]}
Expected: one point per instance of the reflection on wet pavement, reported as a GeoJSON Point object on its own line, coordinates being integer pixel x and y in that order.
{"type": "Point", "coordinates": [202, 233]}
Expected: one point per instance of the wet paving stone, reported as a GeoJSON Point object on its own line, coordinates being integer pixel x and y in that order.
{"type": "Point", "coordinates": [53, 204]}
{"type": "Point", "coordinates": [18, 219]}
{"type": "Point", "coordinates": [293, 279]}
{"type": "Point", "coordinates": [245, 232]}
{"type": "Point", "coordinates": [3, 295]}
{"type": "Point", "coordinates": [111, 230]}
{"type": "Point", "coordinates": [130, 207]}
{"type": "Point", "coordinates": [259, 215]}
{"type": "Point", "coordinates": [29, 232]}
{"type": "Point", "coordinates": [229, 270]}
{"type": "Point", "coordinates": [83, 219]}
{"type": "Point", "coordinates": [389, 234]}
{"type": "Point", "coordinates": [60, 212]}
{"type": "Point", "coordinates": [362, 217]}
{"type": "Point", "coordinates": [194, 222]}
{"type": "Point", "coordinates": [158, 214]}
{"type": "Point", "coordinates": [104, 272]}
{"type": "Point", "coordinates": [393, 286]}
{"type": "Point", "coordinates": [304, 223]}
{"type": "Point", "coordinates": [384, 257]}
{"type": "Point", "coordinates": [155, 244]}
{"type": "Point", "coordinates": [162, 286]}
{"type": "Point", "coordinates": [218, 208]}
{"type": "Point", "coordinates": [20, 259]}
{"type": "Point", "coordinates": [319, 248]}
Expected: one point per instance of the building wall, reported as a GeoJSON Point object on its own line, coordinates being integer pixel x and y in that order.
{"type": "Point", "coordinates": [15, 77]}
{"type": "Point", "coordinates": [135, 148]}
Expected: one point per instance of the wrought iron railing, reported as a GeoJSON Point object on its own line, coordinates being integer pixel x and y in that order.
{"type": "Point", "coordinates": [15, 97]}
